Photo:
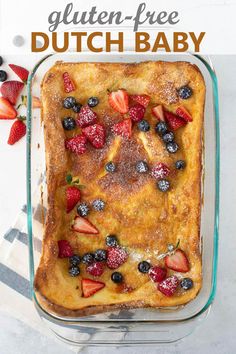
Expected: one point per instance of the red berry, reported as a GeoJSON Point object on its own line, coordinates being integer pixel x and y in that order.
{"type": "Point", "coordinates": [96, 269]}
{"type": "Point", "coordinates": [169, 285]}
{"type": "Point", "coordinates": [157, 273]}
{"type": "Point", "coordinates": [18, 130]}
{"type": "Point", "coordinates": [137, 112]}
{"type": "Point", "coordinates": [68, 83]}
{"type": "Point", "coordinates": [119, 101]}
{"type": "Point", "coordinates": [64, 249]}
{"type": "Point", "coordinates": [95, 134]}
{"type": "Point", "coordinates": [76, 144]}
{"type": "Point", "coordinates": [86, 117]}
{"type": "Point", "coordinates": [90, 287]}
{"type": "Point", "coordinates": [11, 90]}
{"type": "Point", "coordinates": [158, 112]}
{"type": "Point", "coordinates": [84, 226]}
{"type": "Point", "coordinates": [116, 256]}
{"type": "Point", "coordinates": [123, 128]}
{"type": "Point", "coordinates": [7, 111]}
{"type": "Point", "coordinates": [177, 261]}
{"type": "Point", "coordinates": [160, 171]}
{"type": "Point", "coordinates": [174, 121]}
{"type": "Point", "coordinates": [72, 197]}
{"type": "Point", "coordinates": [141, 99]}
{"type": "Point", "coordinates": [22, 73]}
{"type": "Point", "coordinates": [183, 113]}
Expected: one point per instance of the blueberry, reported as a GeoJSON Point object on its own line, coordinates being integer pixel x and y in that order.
{"type": "Point", "coordinates": [185, 92]}
{"type": "Point", "coordinates": [111, 241]}
{"type": "Point", "coordinates": [172, 147]}
{"type": "Point", "coordinates": [74, 260]}
{"type": "Point", "coordinates": [93, 101]}
{"type": "Point", "coordinates": [117, 277]}
{"type": "Point", "coordinates": [69, 102]}
{"type": "Point", "coordinates": [83, 209]}
{"type": "Point", "coordinates": [3, 75]}
{"type": "Point", "coordinates": [68, 123]}
{"type": "Point", "coordinates": [77, 107]}
{"type": "Point", "coordinates": [1, 61]}
{"type": "Point", "coordinates": [74, 271]}
{"type": "Point", "coordinates": [141, 167]}
{"type": "Point", "coordinates": [180, 164]}
{"type": "Point", "coordinates": [163, 185]}
{"type": "Point", "coordinates": [110, 167]}
{"type": "Point", "coordinates": [98, 204]}
{"type": "Point", "coordinates": [186, 283]}
{"type": "Point", "coordinates": [143, 125]}
{"type": "Point", "coordinates": [100, 255]}
{"type": "Point", "coordinates": [88, 258]}
{"type": "Point", "coordinates": [144, 266]}
{"type": "Point", "coordinates": [161, 128]}
{"type": "Point", "coordinates": [168, 137]}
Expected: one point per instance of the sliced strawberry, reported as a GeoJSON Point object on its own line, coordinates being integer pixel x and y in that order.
{"type": "Point", "coordinates": [169, 285]}
{"type": "Point", "coordinates": [90, 287]}
{"type": "Point", "coordinates": [116, 256]}
{"type": "Point", "coordinates": [95, 134]}
{"type": "Point", "coordinates": [6, 109]}
{"type": "Point", "coordinates": [174, 121]}
{"type": "Point", "coordinates": [11, 90]}
{"type": "Point", "coordinates": [158, 112]}
{"type": "Point", "coordinates": [64, 249]}
{"type": "Point", "coordinates": [141, 99]}
{"type": "Point", "coordinates": [137, 112]}
{"type": "Point", "coordinates": [183, 113]}
{"type": "Point", "coordinates": [86, 117]}
{"type": "Point", "coordinates": [119, 100]}
{"type": "Point", "coordinates": [18, 130]}
{"type": "Point", "coordinates": [157, 273]}
{"type": "Point", "coordinates": [177, 261]}
{"type": "Point", "coordinates": [76, 144]}
{"type": "Point", "coordinates": [72, 197]}
{"type": "Point", "coordinates": [84, 226]}
{"type": "Point", "coordinates": [160, 171]}
{"type": "Point", "coordinates": [22, 73]}
{"type": "Point", "coordinates": [68, 83]}
{"type": "Point", "coordinates": [95, 269]}
{"type": "Point", "coordinates": [123, 128]}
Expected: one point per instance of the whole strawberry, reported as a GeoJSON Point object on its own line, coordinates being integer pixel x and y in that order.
{"type": "Point", "coordinates": [18, 130]}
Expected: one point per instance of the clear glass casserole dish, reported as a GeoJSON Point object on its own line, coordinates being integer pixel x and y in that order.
{"type": "Point", "coordinates": [138, 326]}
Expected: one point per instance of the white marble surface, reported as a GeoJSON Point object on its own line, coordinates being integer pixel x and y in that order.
{"type": "Point", "coordinates": [217, 334]}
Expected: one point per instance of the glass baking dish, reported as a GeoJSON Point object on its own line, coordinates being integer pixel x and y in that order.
{"type": "Point", "coordinates": [138, 326]}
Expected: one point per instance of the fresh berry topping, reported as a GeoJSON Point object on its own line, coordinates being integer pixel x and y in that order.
{"type": "Point", "coordinates": [172, 147]}
{"type": "Point", "coordinates": [141, 99]}
{"type": "Point", "coordinates": [76, 144]}
{"type": "Point", "coordinates": [185, 92]}
{"type": "Point", "coordinates": [86, 117]}
{"type": "Point", "coordinates": [144, 267]}
{"type": "Point", "coordinates": [177, 261]}
{"type": "Point", "coordinates": [180, 165]}
{"type": "Point", "coordinates": [98, 204]}
{"type": "Point", "coordinates": [96, 269]}
{"type": "Point", "coordinates": [119, 100]}
{"type": "Point", "coordinates": [161, 128]}
{"type": "Point", "coordinates": [64, 249]}
{"type": "Point", "coordinates": [88, 258]}
{"type": "Point", "coordinates": [168, 137]}
{"type": "Point", "coordinates": [3, 75]}
{"type": "Point", "coordinates": [111, 241]}
{"type": "Point", "coordinates": [68, 83]}
{"type": "Point", "coordinates": [74, 271]}
{"type": "Point", "coordinates": [143, 125]}
{"type": "Point", "coordinates": [93, 101]}
{"type": "Point", "coordinates": [183, 113]}
{"type": "Point", "coordinates": [157, 274]}
{"type": "Point", "coordinates": [84, 226]}
{"type": "Point", "coordinates": [142, 167]}
{"type": "Point", "coordinates": [6, 109]}
{"type": "Point", "coordinates": [74, 260]}
{"type": "Point", "coordinates": [77, 107]}
{"type": "Point", "coordinates": [117, 277]}
{"type": "Point", "coordinates": [69, 102]}
{"type": "Point", "coordinates": [169, 285]}
{"type": "Point", "coordinates": [136, 112]}
{"type": "Point", "coordinates": [68, 123]}
{"type": "Point", "coordinates": [90, 287]}
{"type": "Point", "coordinates": [163, 185]}
{"type": "Point", "coordinates": [110, 167]}
{"type": "Point", "coordinates": [160, 171]}
{"type": "Point", "coordinates": [158, 112]}
{"type": "Point", "coordinates": [95, 134]}
{"type": "Point", "coordinates": [11, 90]}
{"type": "Point", "coordinates": [22, 73]}
{"type": "Point", "coordinates": [18, 130]}
{"type": "Point", "coordinates": [186, 283]}
{"type": "Point", "coordinates": [83, 209]}
{"type": "Point", "coordinates": [1, 60]}
{"type": "Point", "coordinates": [72, 197]}
{"type": "Point", "coordinates": [116, 256]}
{"type": "Point", "coordinates": [100, 255]}
{"type": "Point", "coordinates": [123, 128]}
{"type": "Point", "coordinates": [173, 121]}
